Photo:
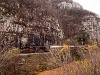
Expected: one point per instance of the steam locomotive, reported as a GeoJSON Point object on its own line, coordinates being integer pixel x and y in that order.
{"type": "Point", "coordinates": [32, 43]}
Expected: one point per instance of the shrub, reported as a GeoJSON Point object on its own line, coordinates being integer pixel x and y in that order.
{"type": "Point", "coordinates": [12, 63]}
{"type": "Point", "coordinates": [9, 62]}
{"type": "Point", "coordinates": [83, 38]}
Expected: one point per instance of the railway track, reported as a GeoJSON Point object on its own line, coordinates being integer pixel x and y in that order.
{"type": "Point", "coordinates": [51, 47]}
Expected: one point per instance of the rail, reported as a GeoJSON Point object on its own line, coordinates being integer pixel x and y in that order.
{"type": "Point", "coordinates": [56, 46]}
{"type": "Point", "coordinates": [68, 46]}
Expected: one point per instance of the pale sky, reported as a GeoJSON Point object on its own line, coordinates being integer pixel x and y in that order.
{"type": "Point", "coordinates": [91, 5]}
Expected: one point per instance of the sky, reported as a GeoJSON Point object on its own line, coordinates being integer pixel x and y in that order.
{"type": "Point", "coordinates": [91, 5]}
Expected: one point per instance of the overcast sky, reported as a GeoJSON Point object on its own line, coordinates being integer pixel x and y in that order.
{"type": "Point", "coordinates": [91, 5]}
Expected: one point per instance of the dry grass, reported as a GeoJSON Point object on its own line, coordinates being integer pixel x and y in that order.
{"type": "Point", "coordinates": [88, 65]}
{"type": "Point", "coordinates": [76, 61]}
{"type": "Point", "coordinates": [11, 63]}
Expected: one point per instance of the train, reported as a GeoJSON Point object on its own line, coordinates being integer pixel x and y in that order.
{"type": "Point", "coordinates": [31, 43]}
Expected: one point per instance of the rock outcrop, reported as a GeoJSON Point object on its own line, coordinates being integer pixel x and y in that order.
{"type": "Point", "coordinates": [43, 18]}
{"type": "Point", "coordinates": [75, 19]}
{"type": "Point", "coordinates": [91, 25]}
{"type": "Point", "coordinates": [69, 5]}
{"type": "Point", "coordinates": [32, 20]}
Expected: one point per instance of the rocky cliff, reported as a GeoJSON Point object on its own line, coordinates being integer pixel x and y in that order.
{"type": "Point", "coordinates": [69, 5]}
{"type": "Point", "coordinates": [76, 19]}
{"type": "Point", "coordinates": [60, 19]}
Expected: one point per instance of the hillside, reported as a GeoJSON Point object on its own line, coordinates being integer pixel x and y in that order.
{"type": "Point", "coordinates": [48, 37]}
{"type": "Point", "coordinates": [66, 20]}
{"type": "Point", "coordinates": [32, 20]}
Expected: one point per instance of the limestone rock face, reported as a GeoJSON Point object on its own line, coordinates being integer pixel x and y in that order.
{"type": "Point", "coordinates": [89, 22]}
{"type": "Point", "coordinates": [69, 5]}
{"type": "Point", "coordinates": [92, 26]}
{"type": "Point", "coordinates": [34, 24]}
{"type": "Point", "coordinates": [59, 1]}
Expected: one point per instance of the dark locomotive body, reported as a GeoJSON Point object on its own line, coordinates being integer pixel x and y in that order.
{"type": "Point", "coordinates": [32, 43]}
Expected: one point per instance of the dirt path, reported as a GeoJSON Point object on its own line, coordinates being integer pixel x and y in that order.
{"type": "Point", "coordinates": [69, 69]}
